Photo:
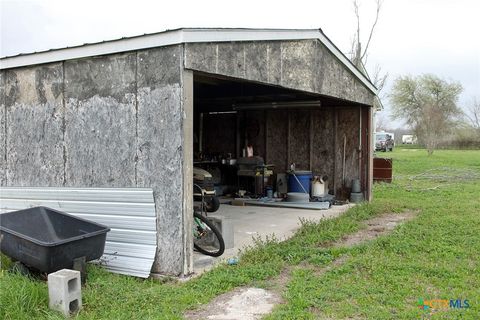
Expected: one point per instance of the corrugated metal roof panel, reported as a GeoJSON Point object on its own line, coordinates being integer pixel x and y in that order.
{"type": "Point", "coordinates": [129, 212]}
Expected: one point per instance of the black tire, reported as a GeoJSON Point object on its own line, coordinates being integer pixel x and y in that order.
{"type": "Point", "coordinates": [212, 204]}
{"type": "Point", "coordinates": [210, 250]}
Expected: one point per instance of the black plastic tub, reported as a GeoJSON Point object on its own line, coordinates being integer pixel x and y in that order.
{"type": "Point", "coordinates": [49, 240]}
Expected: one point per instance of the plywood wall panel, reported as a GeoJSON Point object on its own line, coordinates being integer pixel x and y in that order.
{"type": "Point", "coordinates": [276, 142]}
{"type": "Point", "coordinates": [299, 139]}
{"type": "Point", "coordinates": [323, 135]}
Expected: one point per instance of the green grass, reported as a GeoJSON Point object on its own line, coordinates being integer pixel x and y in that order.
{"type": "Point", "coordinates": [434, 256]}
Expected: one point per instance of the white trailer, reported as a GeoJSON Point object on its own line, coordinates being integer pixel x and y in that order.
{"type": "Point", "coordinates": [408, 139]}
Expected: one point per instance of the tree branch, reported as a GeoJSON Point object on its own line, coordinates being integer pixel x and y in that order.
{"type": "Point", "coordinates": [357, 49]}
{"type": "Point", "coordinates": [379, 5]}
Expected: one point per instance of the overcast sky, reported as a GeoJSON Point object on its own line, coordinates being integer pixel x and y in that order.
{"type": "Point", "coordinates": [412, 36]}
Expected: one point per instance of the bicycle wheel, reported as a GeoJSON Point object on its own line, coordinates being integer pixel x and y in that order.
{"type": "Point", "coordinates": [207, 239]}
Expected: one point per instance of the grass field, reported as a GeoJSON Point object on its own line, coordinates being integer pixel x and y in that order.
{"type": "Point", "coordinates": [434, 256]}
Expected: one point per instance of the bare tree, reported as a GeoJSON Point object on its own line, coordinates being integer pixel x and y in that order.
{"type": "Point", "coordinates": [429, 106]}
{"type": "Point", "coordinates": [473, 114]}
{"type": "Point", "coordinates": [359, 54]}
{"type": "Point", "coordinates": [379, 78]}
{"type": "Point", "coordinates": [381, 122]}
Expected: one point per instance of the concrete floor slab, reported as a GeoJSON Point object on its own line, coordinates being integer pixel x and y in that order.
{"type": "Point", "coordinates": [252, 221]}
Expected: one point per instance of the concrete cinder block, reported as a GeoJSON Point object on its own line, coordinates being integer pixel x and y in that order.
{"type": "Point", "coordinates": [65, 291]}
{"type": "Point", "coordinates": [225, 226]}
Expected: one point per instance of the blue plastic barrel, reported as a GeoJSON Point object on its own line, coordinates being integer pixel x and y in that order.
{"type": "Point", "coordinates": [304, 177]}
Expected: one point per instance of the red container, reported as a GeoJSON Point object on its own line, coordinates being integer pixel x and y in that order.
{"type": "Point", "coordinates": [382, 170]}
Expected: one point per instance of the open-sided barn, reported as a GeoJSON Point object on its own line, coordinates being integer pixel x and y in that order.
{"type": "Point", "coordinates": [135, 112]}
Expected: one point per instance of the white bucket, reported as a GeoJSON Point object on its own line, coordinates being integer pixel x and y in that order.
{"type": "Point", "coordinates": [318, 188]}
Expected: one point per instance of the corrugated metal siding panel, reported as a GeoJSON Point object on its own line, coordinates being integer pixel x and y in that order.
{"type": "Point", "coordinates": [129, 212]}
{"type": "Point", "coordinates": [84, 207]}
{"type": "Point", "coordinates": [134, 195]}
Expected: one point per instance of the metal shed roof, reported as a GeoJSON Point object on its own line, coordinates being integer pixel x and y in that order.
{"type": "Point", "coordinates": [178, 36]}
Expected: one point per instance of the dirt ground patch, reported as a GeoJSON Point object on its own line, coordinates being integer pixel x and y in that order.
{"type": "Point", "coordinates": [279, 283]}
{"type": "Point", "coordinates": [376, 227]}
{"type": "Point", "coordinates": [242, 303]}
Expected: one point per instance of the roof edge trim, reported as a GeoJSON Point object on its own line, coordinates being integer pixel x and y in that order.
{"type": "Point", "coordinates": [179, 36]}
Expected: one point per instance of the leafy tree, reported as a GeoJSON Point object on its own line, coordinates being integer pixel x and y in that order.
{"type": "Point", "coordinates": [428, 104]}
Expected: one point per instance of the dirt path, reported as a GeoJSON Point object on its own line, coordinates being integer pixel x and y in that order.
{"type": "Point", "coordinates": [376, 227]}
{"type": "Point", "coordinates": [241, 303]}
{"type": "Point", "coordinates": [254, 303]}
